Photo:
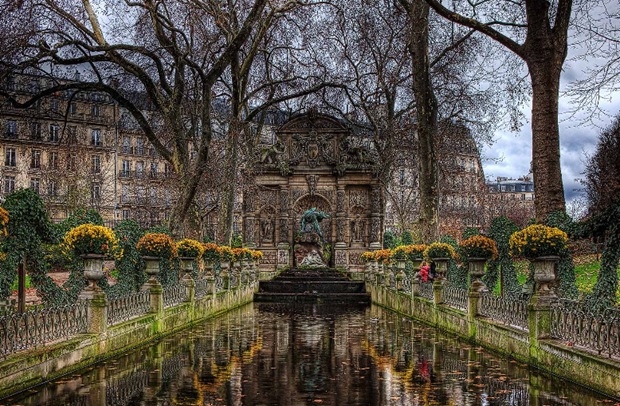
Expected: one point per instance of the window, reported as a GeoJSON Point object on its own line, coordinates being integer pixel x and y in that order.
{"type": "Point", "coordinates": [95, 110]}
{"type": "Point", "coordinates": [126, 146]}
{"type": "Point", "coordinates": [72, 108]}
{"type": "Point", "coordinates": [72, 135]}
{"type": "Point", "coordinates": [35, 131]}
{"type": "Point", "coordinates": [140, 194]}
{"type": "Point", "coordinates": [51, 188]}
{"type": "Point", "coordinates": [34, 184]}
{"type": "Point", "coordinates": [35, 159]}
{"type": "Point", "coordinates": [11, 129]}
{"type": "Point", "coordinates": [126, 215]}
{"type": "Point", "coordinates": [401, 177]}
{"type": "Point", "coordinates": [140, 169]}
{"type": "Point", "coordinates": [95, 193]}
{"type": "Point", "coordinates": [53, 160]}
{"type": "Point", "coordinates": [154, 168]}
{"type": "Point", "coordinates": [167, 170]}
{"type": "Point", "coordinates": [126, 167]}
{"type": "Point", "coordinates": [9, 184]}
{"type": "Point", "coordinates": [124, 195]}
{"type": "Point", "coordinates": [54, 132]}
{"type": "Point", "coordinates": [96, 163]}
{"type": "Point", "coordinates": [34, 85]}
{"type": "Point", "coordinates": [54, 105]}
{"type": "Point", "coordinates": [72, 162]}
{"type": "Point", "coordinates": [95, 137]}
{"type": "Point", "coordinates": [140, 146]}
{"type": "Point", "coordinates": [153, 196]}
{"type": "Point", "coordinates": [10, 157]}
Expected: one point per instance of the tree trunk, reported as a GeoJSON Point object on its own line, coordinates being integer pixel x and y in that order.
{"type": "Point", "coordinates": [426, 113]}
{"type": "Point", "coordinates": [227, 205]}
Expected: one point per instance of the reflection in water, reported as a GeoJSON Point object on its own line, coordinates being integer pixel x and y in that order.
{"type": "Point", "coordinates": [275, 355]}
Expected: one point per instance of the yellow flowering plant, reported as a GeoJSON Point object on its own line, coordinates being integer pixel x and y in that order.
{"type": "Point", "coordinates": [398, 253]}
{"type": "Point", "coordinates": [256, 255]}
{"type": "Point", "coordinates": [157, 245]}
{"type": "Point", "coordinates": [367, 256]}
{"type": "Point", "coordinates": [210, 252]}
{"type": "Point", "coordinates": [92, 239]}
{"type": "Point", "coordinates": [4, 220]}
{"type": "Point", "coordinates": [383, 255]}
{"type": "Point", "coordinates": [242, 254]}
{"type": "Point", "coordinates": [538, 240]}
{"type": "Point", "coordinates": [478, 246]}
{"type": "Point", "coordinates": [439, 250]}
{"type": "Point", "coordinates": [225, 253]}
{"type": "Point", "coordinates": [189, 248]}
{"type": "Point", "coordinates": [415, 252]}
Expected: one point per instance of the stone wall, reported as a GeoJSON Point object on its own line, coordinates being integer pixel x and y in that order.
{"type": "Point", "coordinates": [561, 359]}
{"type": "Point", "coordinates": [26, 369]}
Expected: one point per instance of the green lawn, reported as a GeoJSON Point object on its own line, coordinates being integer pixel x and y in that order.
{"type": "Point", "coordinates": [586, 270]}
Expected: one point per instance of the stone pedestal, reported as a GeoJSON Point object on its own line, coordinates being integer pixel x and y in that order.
{"type": "Point", "coordinates": [283, 256]}
{"type": "Point", "coordinates": [341, 255]}
{"type": "Point", "coordinates": [539, 307]}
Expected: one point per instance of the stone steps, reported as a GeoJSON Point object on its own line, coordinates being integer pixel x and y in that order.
{"type": "Point", "coordinates": [312, 286]}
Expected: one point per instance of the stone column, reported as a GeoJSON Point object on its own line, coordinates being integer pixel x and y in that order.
{"type": "Point", "coordinates": [341, 259]}
{"type": "Point", "coordinates": [95, 297]}
{"type": "Point", "coordinates": [190, 284]}
{"type": "Point", "coordinates": [284, 240]}
{"type": "Point", "coordinates": [375, 218]}
{"type": "Point", "coordinates": [539, 309]}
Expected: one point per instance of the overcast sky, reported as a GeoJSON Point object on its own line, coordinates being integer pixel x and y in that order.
{"type": "Point", "coordinates": [577, 140]}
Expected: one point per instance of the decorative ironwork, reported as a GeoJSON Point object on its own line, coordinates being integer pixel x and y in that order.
{"type": "Point", "coordinates": [508, 310]}
{"type": "Point", "coordinates": [455, 297]}
{"type": "Point", "coordinates": [174, 295]}
{"type": "Point", "coordinates": [577, 324]}
{"type": "Point", "coordinates": [426, 290]}
{"type": "Point", "coordinates": [219, 283]}
{"type": "Point", "coordinates": [21, 331]}
{"type": "Point", "coordinates": [202, 288]}
{"type": "Point", "coordinates": [127, 307]}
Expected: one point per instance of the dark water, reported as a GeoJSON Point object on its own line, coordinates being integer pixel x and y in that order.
{"type": "Point", "coordinates": [273, 355]}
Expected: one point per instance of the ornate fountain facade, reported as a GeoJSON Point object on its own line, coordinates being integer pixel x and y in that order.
{"type": "Point", "coordinates": [316, 162]}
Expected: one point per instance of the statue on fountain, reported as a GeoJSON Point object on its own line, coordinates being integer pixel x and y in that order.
{"type": "Point", "coordinates": [310, 221]}
{"type": "Point", "coordinates": [309, 240]}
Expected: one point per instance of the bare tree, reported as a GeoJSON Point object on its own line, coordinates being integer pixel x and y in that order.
{"type": "Point", "coordinates": [537, 32]}
{"type": "Point", "coordinates": [173, 53]}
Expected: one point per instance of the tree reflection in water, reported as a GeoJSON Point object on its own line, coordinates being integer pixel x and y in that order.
{"type": "Point", "coordinates": [282, 355]}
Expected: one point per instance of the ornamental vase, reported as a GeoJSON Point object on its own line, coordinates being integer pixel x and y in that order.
{"type": "Point", "coordinates": [476, 271]}
{"type": "Point", "coordinates": [187, 266]}
{"type": "Point", "coordinates": [545, 273]}
{"type": "Point", "coordinates": [417, 263]}
{"type": "Point", "coordinates": [441, 267]}
{"type": "Point", "coordinates": [151, 267]}
{"type": "Point", "coordinates": [93, 270]}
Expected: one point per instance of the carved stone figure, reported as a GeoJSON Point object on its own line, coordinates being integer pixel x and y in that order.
{"type": "Point", "coordinates": [272, 154]}
{"type": "Point", "coordinates": [267, 228]}
{"type": "Point", "coordinates": [312, 260]}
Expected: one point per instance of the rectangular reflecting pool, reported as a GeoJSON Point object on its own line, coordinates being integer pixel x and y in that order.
{"type": "Point", "coordinates": [272, 354]}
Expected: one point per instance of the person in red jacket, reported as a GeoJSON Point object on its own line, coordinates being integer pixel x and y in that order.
{"type": "Point", "coordinates": [424, 272]}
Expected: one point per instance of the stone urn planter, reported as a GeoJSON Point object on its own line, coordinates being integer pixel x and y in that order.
{"type": "Point", "coordinates": [93, 270]}
{"type": "Point", "coordinates": [545, 274]}
{"type": "Point", "coordinates": [187, 266]}
{"type": "Point", "coordinates": [476, 271]}
{"type": "Point", "coordinates": [441, 267]}
{"type": "Point", "coordinates": [151, 269]}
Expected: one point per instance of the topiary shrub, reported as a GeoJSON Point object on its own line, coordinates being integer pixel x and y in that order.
{"type": "Point", "coordinates": [500, 231]}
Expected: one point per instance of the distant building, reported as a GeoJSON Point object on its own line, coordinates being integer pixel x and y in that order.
{"type": "Point", "coordinates": [512, 198]}
{"type": "Point", "coordinates": [75, 149]}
